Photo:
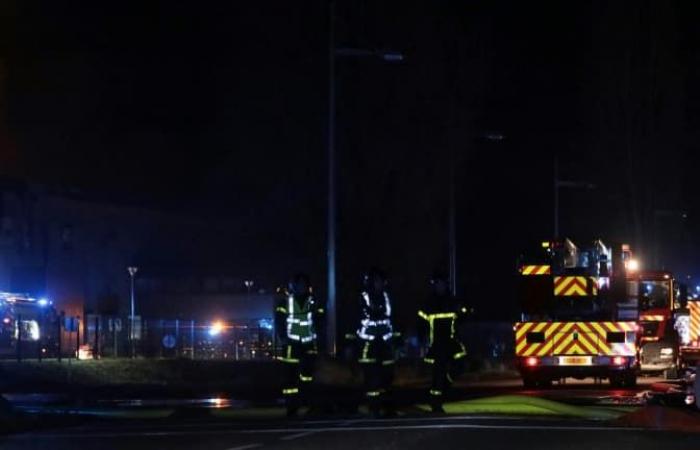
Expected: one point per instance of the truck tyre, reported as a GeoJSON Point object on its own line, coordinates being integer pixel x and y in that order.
{"type": "Point", "coordinates": [529, 381]}
{"type": "Point", "coordinates": [545, 383]}
{"type": "Point", "coordinates": [616, 380]}
{"type": "Point", "coordinates": [630, 379]}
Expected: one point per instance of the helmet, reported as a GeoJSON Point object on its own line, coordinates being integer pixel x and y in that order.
{"type": "Point", "coordinates": [299, 282]}
{"type": "Point", "coordinates": [440, 283]}
{"type": "Point", "coordinates": [372, 275]}
{"type": "Point", "coordinates": [439, 275]}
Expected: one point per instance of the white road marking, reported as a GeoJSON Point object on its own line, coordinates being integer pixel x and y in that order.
{"type": "Point", "coordinates": [452, 426]}
{"type": "Point", "coordinates": [291, 437]}
{"type": "Point", "coordinates": [245, 447]}
{"type": "Point", "coordinates": [446, 427]}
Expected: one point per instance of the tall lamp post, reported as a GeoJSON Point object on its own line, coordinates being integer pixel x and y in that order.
{"type": "Point", "coordinates": [333, 53]}
{"type": "Point", "coordinates": [558, 184]}
{"type": "Point", "coordinates": [132, 272]}
{"type": "Point", "coordinates": [452, 217]}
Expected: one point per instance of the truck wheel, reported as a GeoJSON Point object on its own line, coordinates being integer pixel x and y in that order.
{"type": "Point", "coordinates": [630, 379]}
{"type": "Point", "coordinates": [616, 381]}
{"type": "Point", "coordinates": [545, 383]}
{"type": "Point", "coordinates": [529, 381]}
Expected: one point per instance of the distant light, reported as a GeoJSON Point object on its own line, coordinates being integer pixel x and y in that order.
{"type": "Point", "coordinates": [216, 328]}
{"type": "Point", "coordinates": [689, 399]}
{"type": "Point", "coordinates": [495, 137]}
{"type": "Point", "coordinates": [265, 324]}
{"type": "Point", "coordinates": [392, 57]}
{"type": "Point", "coordinates": [216, 402]}
{"type": "Point", "coordinates": [6, 320]}
{"type": "Point", "coordinates": [85, 352]}
{"type": "Point", "coordinates": [30, 330]}
{"type": "Point", "coordinates": [632, 265]}
{"type": "Point", "coordinates": [43, 302]}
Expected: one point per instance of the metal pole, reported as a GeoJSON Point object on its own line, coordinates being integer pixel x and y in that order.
{"type": "Point", "coordinates": [97, 337]}
{"type": "Point", "coordinates": [131, 327]}
{"type": "Point", "coordinates": [77, 338]}
{"type": "Point", "coordinates": [235, 339]}
{"type": "Point", "coordinates": [19, 338]}
{"type": "Point", "coordinates": [331, 303]}
{"type": "Point", "coordinates": [192, 337]}
{"type": "Point", "coordinates": [556, 198]}
{"type": "Point", "coordinates": [453, 227]}
{"type": "Point", "coordinates": [61, 319]}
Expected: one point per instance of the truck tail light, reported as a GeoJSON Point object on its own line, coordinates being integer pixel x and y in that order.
{"type": "Point", "coordinates": [619, 361]}
{"type": "Point", "coordinates": [532, 361]}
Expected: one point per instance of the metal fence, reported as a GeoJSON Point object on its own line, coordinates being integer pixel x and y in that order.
{"type": "Point", "coordinates": [176, 338]}
{"type": "Point", "coordinates": [489, 344]}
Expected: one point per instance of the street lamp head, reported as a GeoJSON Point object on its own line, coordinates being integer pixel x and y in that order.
{"type": "Point", "coordinates": [132, 270]}
{"type": "Point", "coordinates": [392, 56]}
{"type": "Point", "coordinates": [249, 283]}
{"type": "Point", "coordinates": [494, 136]}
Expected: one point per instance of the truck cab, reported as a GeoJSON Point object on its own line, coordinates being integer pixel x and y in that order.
{"type": "Point", "coordinates": [658, 339]}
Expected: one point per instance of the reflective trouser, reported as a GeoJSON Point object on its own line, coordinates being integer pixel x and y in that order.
{"type": "Point", "coordinates": [377, 366]}
{"type": "Point", "coordinates": [446, 361]}
{"type": "Point", "coordinates": [299, 360]}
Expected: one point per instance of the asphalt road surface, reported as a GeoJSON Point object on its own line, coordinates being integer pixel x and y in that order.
{"type": "Point", "coordinates": [425, 432]}
{"type": "Point", "coordinates": [405, 433]}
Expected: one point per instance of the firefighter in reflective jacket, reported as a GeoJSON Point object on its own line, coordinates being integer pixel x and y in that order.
{"type": "Point", "coordinates": [440, 317]}
{"type": "Point", "coordinates": [376, 335]}
{"type": "Point", "coordinates": [298, 315]}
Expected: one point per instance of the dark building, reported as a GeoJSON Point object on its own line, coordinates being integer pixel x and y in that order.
{"type": "Point", "coordinates": [75, 251]}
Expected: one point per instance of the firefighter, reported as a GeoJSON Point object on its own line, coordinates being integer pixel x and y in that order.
{"type": "Point", "coordinates": [375, 335]}
{"type": "Point", "coordinates": [439, 318]}
{"type": "Point", "coordinates": [298, 315]}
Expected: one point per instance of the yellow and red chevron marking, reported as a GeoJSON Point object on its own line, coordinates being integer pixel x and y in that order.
{"type": "Point", "coordinates": [694, 308]}
{"type": "Point", "coordinates": [573, 286]}
{"type": "Point", "coordinates": [536, 270]}
{"type": "Point", "coordinates": [573, 338]}
{"type": "Point", "coordinates": [652, 317]}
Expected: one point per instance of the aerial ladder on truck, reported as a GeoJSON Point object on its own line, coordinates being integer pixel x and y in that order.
{"type": "Point", "coordinates": [577, 319]}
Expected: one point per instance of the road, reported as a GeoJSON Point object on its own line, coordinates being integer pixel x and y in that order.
{"type": "Point", "coordinates": [404, 433]}
{"type": "Point", "coordinates": [425, 432]}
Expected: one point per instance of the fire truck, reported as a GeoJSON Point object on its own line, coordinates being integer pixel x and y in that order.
{"type": "Point", "coordinates": [688, 326]}
{"type": "Point", "coordinates": [578, 319]}
{"type": "Point", "coordinates": [660, 300]}
{"type": "Point", "coordinates": [27, 321]}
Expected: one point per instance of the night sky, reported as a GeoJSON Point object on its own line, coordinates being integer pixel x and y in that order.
{"type": "Point", "coordinates": [219, 109]}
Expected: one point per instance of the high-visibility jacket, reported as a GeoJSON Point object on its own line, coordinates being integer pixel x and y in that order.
{"type": "Point", "coordinates": [299, 312]}
{"type": "Point", "coordinates": [441, 315]}
{"type": "Point", "coordinates": [375, 323]}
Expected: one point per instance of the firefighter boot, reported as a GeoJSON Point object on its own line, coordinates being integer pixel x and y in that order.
{"type": "Point", "coordinates": [292, 405]}
{"type": "Point", "coordinates": [436, 401]}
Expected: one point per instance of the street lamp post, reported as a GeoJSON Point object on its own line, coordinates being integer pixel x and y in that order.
{"type": "Point", "coordinates": [249, 285]}
{"type": "Point", "coordinates": [560, 184]}
{"type": "Point", "coordinates": [132, 272]}
{"type": "Point", "coordinates": [452, 216]}
{"type": "Point", "coordinates": [333, 52]}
